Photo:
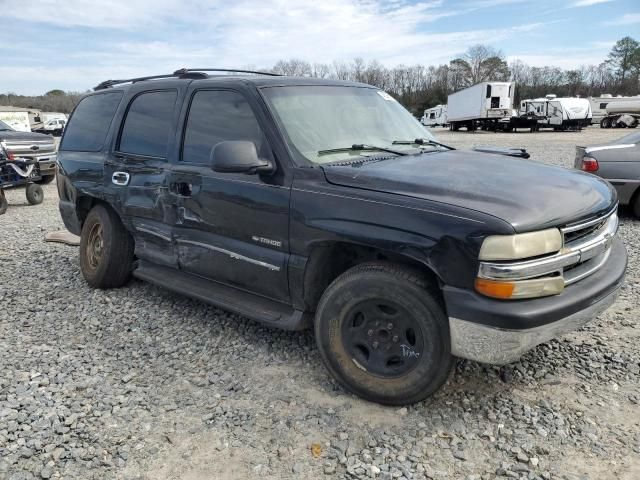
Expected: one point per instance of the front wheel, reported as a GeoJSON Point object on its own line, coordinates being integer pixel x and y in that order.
{"type": "Point", "coordinates": [34, 193]}
{"type": "Point", "coordinates": [106, 249]}
{"type": "Point", "coordinates": [383, 334]}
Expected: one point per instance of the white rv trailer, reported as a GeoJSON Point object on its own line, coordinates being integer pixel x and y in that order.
{"type": "Point", "coordinates": [435, 116]}
{"type": "Point", "coordinates": [16, 117]}
{"type": "Point", "coordinates": [599, 105]}
{"type": "Point", "coordinates": [622, 114]}
{"type": "Point", "coordinates": [558, 113]}
{"type": "Point", "coordinates": [483, 105]}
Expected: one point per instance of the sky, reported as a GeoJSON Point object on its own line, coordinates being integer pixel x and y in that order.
{"type": "Point", "coordinates": [75, 44]}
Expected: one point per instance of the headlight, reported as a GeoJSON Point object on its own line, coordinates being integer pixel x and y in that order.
{"type": "Point", "coordinates": [521, 246]}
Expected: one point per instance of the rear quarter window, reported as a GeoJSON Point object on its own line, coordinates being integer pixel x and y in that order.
{"type": "Point", "coordinates": [89, 124]}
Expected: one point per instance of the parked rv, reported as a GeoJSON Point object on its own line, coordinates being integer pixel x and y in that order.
{"type": "Point", "coordinates": [435, 116]}
{"type": "Point", "coordinates": [486, 104]}
{"type": "Point", "coordinates": [622, 114]}
{"type": "Point", "coordinates": [599, 105]}
{"type": "Point", "coordinates": [558, 113]}
{"type": "Point", "coordinates": [17, 118]}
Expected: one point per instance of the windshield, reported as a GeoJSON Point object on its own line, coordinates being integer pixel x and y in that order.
{"type": "Point", "coordinates": [4, 126]}
{"type": "Point", "coordinates": [326, 124]}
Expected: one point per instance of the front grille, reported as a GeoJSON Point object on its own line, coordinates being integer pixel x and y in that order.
{"type": "Point", "coordinates": [30, 148]}
{"type": "Point", "coordinates": [570, 237]}
{"type": "Point", "coordinates": [596, 235]}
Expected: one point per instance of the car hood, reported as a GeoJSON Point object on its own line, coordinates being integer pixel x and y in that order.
{"type": "Point", "coordinates": [24, 136]}
{"type": "Point", "coordinates": [527, 194]}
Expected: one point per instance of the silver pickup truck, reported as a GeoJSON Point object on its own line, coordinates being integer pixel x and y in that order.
{"type": "Point", "coordinates": [31, 146]}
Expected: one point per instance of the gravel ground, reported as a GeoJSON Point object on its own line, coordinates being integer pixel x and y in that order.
{"type": "Point", "coordinates": [142, 383]}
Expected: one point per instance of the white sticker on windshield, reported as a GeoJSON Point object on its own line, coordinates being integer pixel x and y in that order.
{"type": "Point", "coordinates": [385, 95]}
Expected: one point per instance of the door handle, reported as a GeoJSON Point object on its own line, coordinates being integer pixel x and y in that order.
{"type": "Point", "coordinates": [181, 188]}
{"type": "Point", "coordinates": [120, 178]}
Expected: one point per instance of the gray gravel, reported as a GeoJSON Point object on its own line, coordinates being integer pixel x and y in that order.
{"type": "Point", "coordinates": [142, 383]}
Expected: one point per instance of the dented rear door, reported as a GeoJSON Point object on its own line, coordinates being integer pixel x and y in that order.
{"type": "Point", "coordinates": [137, 170]}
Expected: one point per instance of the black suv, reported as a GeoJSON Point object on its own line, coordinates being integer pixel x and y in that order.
{"type": "Point", "coordinates": [299, 201]}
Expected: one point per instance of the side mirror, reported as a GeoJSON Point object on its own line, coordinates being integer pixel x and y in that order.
{"type": "Point", "coordinates": [239, 156]}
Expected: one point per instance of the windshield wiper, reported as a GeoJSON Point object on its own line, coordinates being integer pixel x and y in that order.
{"type": "Point", "coordinates": [358, 147]}
{"type": "Point", "coordinates": [422, 141]}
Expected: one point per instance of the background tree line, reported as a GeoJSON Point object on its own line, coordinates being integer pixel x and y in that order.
{"type": "Point", "coordinates": [52, 101]}
{"type": "Point", "coordinates": [418, 86]}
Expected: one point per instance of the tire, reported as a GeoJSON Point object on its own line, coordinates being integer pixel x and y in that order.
{"type": "Point", "coordinates": [383, 334]}
{"type": "Point", "coordinates": [3, 203]}
{"type": "Point", "coordinates": [34, 193]}
{"type": "Point", "coordinates": [46, 179]}
{"type": "Point", "coordinates": [106, 249]}
{"type": "Point", "coordinates": [636, 204]}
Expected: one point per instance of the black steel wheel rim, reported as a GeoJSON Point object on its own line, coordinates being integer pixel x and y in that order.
{"type": "Point", "coordinates": [382, 338]}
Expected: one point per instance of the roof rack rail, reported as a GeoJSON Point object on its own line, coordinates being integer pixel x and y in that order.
{"type": "Point", "coordinates": [190, 73]}
{"type": "Point", "coordinates": [183, 71]}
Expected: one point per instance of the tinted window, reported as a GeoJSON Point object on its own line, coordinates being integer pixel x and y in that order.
{"type": "Point", "coordinates": [216, 116]}
{"type": "Point", "coordinates": [148, 124]}
{"type": "Point", "coordinates": [89, 124]}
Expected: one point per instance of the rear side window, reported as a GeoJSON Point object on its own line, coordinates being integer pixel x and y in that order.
{"type": "Point", "coordinates": [148, 124]}
{"type": "Point", "coordinates": [216, 116]}
{"type": "Point", "coordinates": [90, 122]}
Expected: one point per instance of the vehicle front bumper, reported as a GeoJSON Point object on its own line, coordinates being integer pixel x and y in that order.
{"type": "Point", "coordinates": [47, 166]}
{"type": "Point", "coordinates": [499, 332]}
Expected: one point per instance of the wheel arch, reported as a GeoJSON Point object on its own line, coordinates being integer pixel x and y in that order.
{"type": "Point", "coordinates": [85, 203]}
{"type": "Point", "coordinates": [329, 260]}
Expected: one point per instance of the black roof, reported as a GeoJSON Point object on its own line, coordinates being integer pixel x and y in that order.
{"type": "Point", "coordinates": [259, 79]}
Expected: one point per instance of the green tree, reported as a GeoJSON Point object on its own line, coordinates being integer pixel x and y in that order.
{"type": "Point", "coordinates": [624, 57]}
{"type": "Point", "coordinates": [55, 93]}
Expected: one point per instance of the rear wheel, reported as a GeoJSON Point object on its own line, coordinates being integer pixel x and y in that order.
{"type": "Point", "coordinates": [636, 204]}
{"type": "Point", "coordinates": [383, 334]}
{"type": "Point", "coordinates": [106, 249]}
{"type": "Point", "coordinates": [605, 123]}
{"type": "Point", "coordinates": [34, 193]}
{"type": "Point", "coordinates": [3, 203]}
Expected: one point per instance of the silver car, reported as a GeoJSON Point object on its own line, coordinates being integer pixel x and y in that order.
{"type": "Point", "coordinates": [619, 163]}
